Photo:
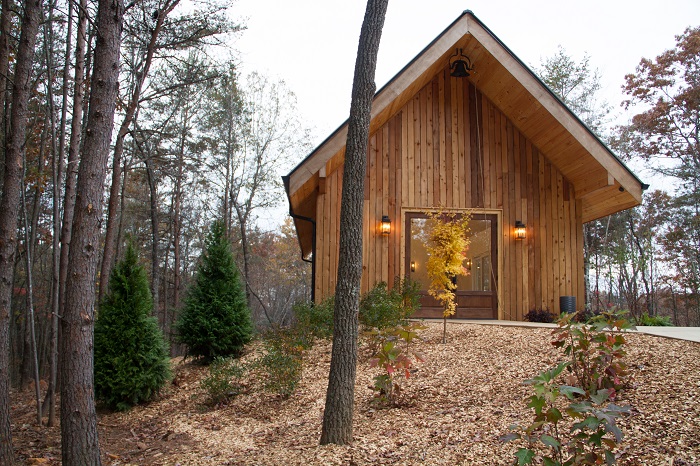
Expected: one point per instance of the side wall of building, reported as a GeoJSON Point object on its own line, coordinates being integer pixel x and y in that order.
{"type": "Point", "coordinates": [449, 146]}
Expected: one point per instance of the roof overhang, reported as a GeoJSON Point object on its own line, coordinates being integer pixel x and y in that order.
{"type": "Point", "coordinates": [601, 181]}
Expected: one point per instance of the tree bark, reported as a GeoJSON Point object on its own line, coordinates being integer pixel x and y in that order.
{"type": "Point", "coordinates": [9, 208]}
{"type": "Point", "coordinates": [69, 196]}
{"type": "Point", "coordinates": [78, 418]}
{"type": "Point", "coordinates": [58, 166]}
{"type": "Point", "coordinates": [155, 237]}
{"type": "Point", "coordinates": [29, 262]}
{"type": "Point", "coordinates": [4, 69]}
{"type": "Point", "coordinates": [113, 213]}
{"type": "Point", "coordinates": [338, 413]}
{"type": "Point", "coordinates": [177, 207]}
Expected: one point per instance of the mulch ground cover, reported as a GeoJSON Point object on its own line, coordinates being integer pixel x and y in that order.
{"type": "Point", "coordinates": [453, 409]}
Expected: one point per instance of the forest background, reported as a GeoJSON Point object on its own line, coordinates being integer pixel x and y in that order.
{"type": "Point", "coordinates": [198, 135]}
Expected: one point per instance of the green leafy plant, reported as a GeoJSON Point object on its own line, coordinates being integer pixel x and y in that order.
{"type": "Point", "coordinates": [131, 356]}
{"type": "Point", "coordinates": [281, 362]}
{"type": "Point", "coordinates": [216, 320]}
{"type": "Point", "coordinates": [595, 350]}
{"type": "Point", "coordinates": [383, 308]}
{"type": "Point", "coordinates": [223, 381]}
{"type": "Point", "coordinates": [654, 321]}
{"type": "Point", "coordinates": [593, 433]}
{"type": "Point", "coordinates": [316, 320]}
{"type": "Point", "coordinates": [539, 315]}
{"type": "Point", "coordinates": [395, 357]}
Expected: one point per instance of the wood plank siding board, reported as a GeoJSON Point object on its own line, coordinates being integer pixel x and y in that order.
{"type": "Point", "coordinates": [437, 161]}
{"type": "Point", "coordinates": [519, 185]}
{"type": "Point", "coordinates": [496, 142]}
{"type": "Point", "coordinates": [390, 174]}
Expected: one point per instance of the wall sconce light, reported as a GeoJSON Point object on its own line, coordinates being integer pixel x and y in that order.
{"type": "Point", "coordinates": [468, 263]}
{"type": "Point", "coordinates": [519, 230]}
{"type": "Point", "coordinates": [460, 65]}
{"type": "Point", "coordinates": [413, 266]}
{"type": "Point", "coordinates": [385, 225]}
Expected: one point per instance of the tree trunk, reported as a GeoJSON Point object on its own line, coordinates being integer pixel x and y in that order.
{"type": "Point", "coordinates": [4, 69]}
{"type": "Point", "coordinates": [78, 418]}
{"type": "Point", "coordinates": [338, 413]}
{"type": "Point", "coordinates": [166, 303]}
{"type": "Point", "coordinates": [155, 238]}
{"type": "Point", "coordinates": [29, 255]}
{"type": "Point", "coordinates": [9, 208]}
{"type": "Point", "coordinates": [30, 243]}
{"type": "Point", "coordinates": [69, 196]}
{"type": "Point", "coordinates": [243, 225]}
{"type": "Point", "coordinates": [177, 209]}
{"type": "Point", "coordinates": [113, 213]}
{"type": "Point", "coordinates": [58, 169]}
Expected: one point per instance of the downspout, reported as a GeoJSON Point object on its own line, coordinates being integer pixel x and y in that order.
{"type": "Point", "coordinates": [312, 261]}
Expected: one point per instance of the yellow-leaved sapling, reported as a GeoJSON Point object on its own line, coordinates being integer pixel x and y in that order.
{"type": "Point", "coordinates": [447, 246]}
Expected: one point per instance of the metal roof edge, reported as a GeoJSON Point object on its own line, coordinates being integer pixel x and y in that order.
{"type": "Point", "coordinates": [556, 97]}
{"type": "Point", "coordinates": [384, 87]}
{"type": "Point", "coordinates": [517, 59]}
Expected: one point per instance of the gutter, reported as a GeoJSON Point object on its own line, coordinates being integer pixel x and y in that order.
{"type": "Point", "coordinates": [312, 261]}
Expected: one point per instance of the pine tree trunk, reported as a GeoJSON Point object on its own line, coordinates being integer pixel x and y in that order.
{"type": "Point", "coordinates": [4, 68]}
{"type": "Point", "coordinates": [58, 177]}
{"type": "Point", "coordinates": [338, 413]}
{"type": "Point", "coordinates": [78, 418]}
{"type": "Point", "coordinates": [113, 213]}
{"type": "Point", "coordinates": [9, 208]}
{"type": "Point", "coordinates": [155, 238]}
{"type": "Point", "coordinates": [177, 209]}
{"type": "Point", "coordinates": [69, 196]}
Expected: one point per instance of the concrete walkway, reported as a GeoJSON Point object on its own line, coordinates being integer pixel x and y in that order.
{"type": "Point", "coordinates": [678, 333]}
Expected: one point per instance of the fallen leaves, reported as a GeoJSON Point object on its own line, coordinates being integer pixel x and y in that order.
{"type": "Point", "coordinates": [454, 407]}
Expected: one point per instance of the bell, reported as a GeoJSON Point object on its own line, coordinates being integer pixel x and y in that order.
{"type": "Point", "coordinates": [460, 69]}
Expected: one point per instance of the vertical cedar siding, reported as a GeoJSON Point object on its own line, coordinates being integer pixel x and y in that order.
{"type": "Point", "coordinates": [449, 145]}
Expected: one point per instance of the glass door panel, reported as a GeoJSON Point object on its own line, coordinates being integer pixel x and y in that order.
{"type": "Point", "coordinates": [477, 263]}
{"type": "Point", "coordinates": [476, 290]}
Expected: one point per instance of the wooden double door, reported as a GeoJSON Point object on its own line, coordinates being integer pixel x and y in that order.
{"type": "Point", "coordinates": [476, 292]}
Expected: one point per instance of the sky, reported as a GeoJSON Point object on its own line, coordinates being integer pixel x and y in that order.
{"type": "Point", "coordinates": [312, 44]}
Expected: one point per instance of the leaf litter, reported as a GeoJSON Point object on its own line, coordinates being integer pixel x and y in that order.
{"type": "Point", "coordinates": [453, 409]}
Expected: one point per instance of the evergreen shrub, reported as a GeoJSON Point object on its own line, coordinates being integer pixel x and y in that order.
{"type": "Point", "coordinates": [131, 356]}
{"type": "Point", "coordinates": [281, 362]}
{"type": "Point", "coordinates": [216, 320]}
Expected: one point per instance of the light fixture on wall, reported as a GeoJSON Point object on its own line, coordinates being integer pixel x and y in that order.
{"type": "Point", "coordinates": [413, 266]}
{"type": "Point", "coordinates": [519, 230]}
{"type": "Point", "coordinates": [468, 263]}
{"type": "Point", "coordinates": [385, 225]}
{"type": "Point", "coordinates": [460, 65]}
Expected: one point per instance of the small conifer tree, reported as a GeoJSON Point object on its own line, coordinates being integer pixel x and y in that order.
{"type": "Point", "coordinates": [131, 356]}
{"type": "Point", "coordinates": [216, 319]}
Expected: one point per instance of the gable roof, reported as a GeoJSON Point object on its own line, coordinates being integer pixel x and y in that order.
{"type": "Point", "coordinates": [601, 181]}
